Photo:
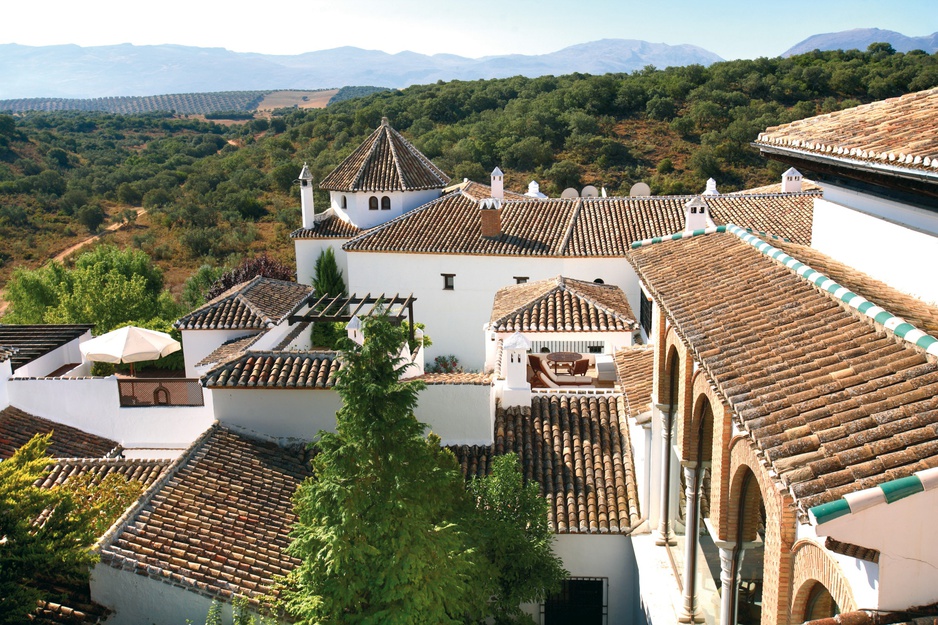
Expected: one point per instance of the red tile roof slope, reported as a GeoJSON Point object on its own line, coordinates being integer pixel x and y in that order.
{"type": "Point", "coordinates": [221, 524]}
{"type": "Point", "coordinates": [635, 376]}
{"type": "Point", "coordinates": [145, 471]}
{"type": "Point", "coordinates": [328, 225]}
{"type": "Point", "coordinates": [583, 227]}
{"type": "Point", "coordinates": [385, 161]}
{"type": "Point", "coordinates": [276, 370]}
{"type": "Point", "coordinates": [898, 132]}
{"type": "Point", "coordinates": [253, 305]}
{"type": "Point", "coordinates": [835, 404]}
{"type": "Point", "coordinates": [561, 305]}
{"type": "Point", "coordinates": [18, 427]}
{"type": "Point", "coordinates": [577, 449]}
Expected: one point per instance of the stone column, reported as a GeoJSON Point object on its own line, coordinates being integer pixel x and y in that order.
{"type": "Point", "coordinates": [663, 534]}
{"type": "Point", "coordinates": [691, 517]}
{"type": "Point", "coordinates": [729, 582]}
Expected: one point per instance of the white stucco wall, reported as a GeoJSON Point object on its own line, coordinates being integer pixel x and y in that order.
{"type": "Point", "coordinates": [363, 217]}
{"type": "Point", "coordinates": [93, 405]}
{"type": "Point", "coordinates": [460, 414]}
{"type": "Point", "coordinates": [598, 555]}
{"type": "Point", "coordinates": [902, 532]}
{"type": "Point", "coordinates": [47, 363]}
{"type": "Point", "coordinates": [892, 242]}
{"type": "Point", "coordinates": [862, 576]}
{"type": "Point", "coordinates": [307, 253]}
{"type": "Point", "coordinates": [289, 415]}
{"type": "Point", "coordinates": [454, 319]}
{"type": "Point", "coordinates": [197, 344]}
{"type": "Point", "coordinates": [140, 600]}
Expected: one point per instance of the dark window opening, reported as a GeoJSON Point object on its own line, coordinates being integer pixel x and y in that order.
{"type": "Point", "coordinates": [344, 202]}
{"type": "Point", "coordinates": [448, 281]}
{"type": "Point", "coordinates": [385, 203]}
{"type": "Point", "coordinates": [595, 349]}
{"type": "Point", "coordinates": [373, 203]}
{"type": "Point", "coordinates": [644, 312]}
{"type": "Point", "coordinates": [581, 601]}
{"type": "Point", "coordinates": [521, 279]}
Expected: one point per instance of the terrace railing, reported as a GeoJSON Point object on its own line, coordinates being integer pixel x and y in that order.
{"type": "Point", "coordinates": [138, 392]}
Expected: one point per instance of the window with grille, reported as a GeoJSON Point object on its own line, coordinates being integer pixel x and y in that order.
{"type": "Point", "coordinates": [645, 312]}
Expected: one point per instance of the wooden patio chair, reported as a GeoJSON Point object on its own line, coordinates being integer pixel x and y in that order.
{"type": "Point", "coordinates": [580, 367]}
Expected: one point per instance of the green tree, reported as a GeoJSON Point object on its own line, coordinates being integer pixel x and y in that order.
{"type": "Point", "coordinates": [198, 284]}
{"type": "Point", "coordinates": [382, 527]}
{"type": "Point", "coordinates": [327, 280]}
{"type": "Point", "coordinates": [29, 550]}
{"type": "Point", "coordinates": [108, 287]}
{"type": "Point", "coordinates": [514, 535]}
{"type": "Point", "coordinates": [91, 216]}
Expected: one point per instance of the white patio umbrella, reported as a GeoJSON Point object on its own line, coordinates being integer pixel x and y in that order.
{"type": "Point", "coordinates": [129, 344]}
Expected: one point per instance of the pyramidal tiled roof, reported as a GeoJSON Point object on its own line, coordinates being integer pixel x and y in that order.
{"type": "Point", "coordinates": [385, 161]}
{"type": "Point", "coordinates": [561, 305]}
{"type": "Point", "coordinates": [252, 305]}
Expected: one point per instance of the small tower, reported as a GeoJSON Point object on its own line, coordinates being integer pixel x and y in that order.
{"type": "Point", "coordinates": [517, 390]}
{"type": "Point", "coordinates": [354, 329]}
{"type": "Point", "coordinates": [791, 181]}
{"type": "Point", "coordinates": [711, 187]}
{"type": "Point", "coordinates": [696, 215]}
{"type": "Point", "coordinates": [498, 184]}
{"type": "Point", "coordinates": [306, 197]}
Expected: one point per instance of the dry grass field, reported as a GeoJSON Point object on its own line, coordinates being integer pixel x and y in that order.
{"type": "Point", "coordinates": [300, 99]}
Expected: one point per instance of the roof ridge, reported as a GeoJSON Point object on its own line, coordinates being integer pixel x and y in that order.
{"type": "Point", "coordinates": [577, 209]}
{"type": "Point", "coordinates": [677, 236]}
{"type": "Point", "coordinates": [365, 161]}
{"type": "Point", "coordinates": [399, 169]}
{"type": "Point", "coordinates": [842, 295]}
{"type": "Point", "coordinates": [887, 492]}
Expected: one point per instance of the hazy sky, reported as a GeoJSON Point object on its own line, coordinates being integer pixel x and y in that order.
{"type": "Point", "coordinates": [473, 28]}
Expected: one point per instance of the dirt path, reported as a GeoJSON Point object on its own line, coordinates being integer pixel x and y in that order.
{"type": "Point", "coordinates": [63, 255]}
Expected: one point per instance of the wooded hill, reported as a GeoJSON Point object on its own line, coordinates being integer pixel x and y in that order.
{"type": "Point", "coordinates": [216, 193]}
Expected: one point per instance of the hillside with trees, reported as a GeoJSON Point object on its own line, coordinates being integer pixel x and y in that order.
{"type": "Point", "coordinates": [214, 194]}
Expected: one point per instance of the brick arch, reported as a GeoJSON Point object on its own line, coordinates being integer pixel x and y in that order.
{"type": "Point", "coordinates": [780, 527]}
{"type": "Point", "coordinates": [719, 456]}
{"type": "Point", "coordinates": [681, 405]}
{"type": "Point", "coordinates": [812, 565]}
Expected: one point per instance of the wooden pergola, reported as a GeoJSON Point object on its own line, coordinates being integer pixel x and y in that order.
{"type": "Point", "coordinates": [329, 308]}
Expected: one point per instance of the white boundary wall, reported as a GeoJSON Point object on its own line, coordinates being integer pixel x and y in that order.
{"type": "Point", "coordinates": [285, 414]}
{"type": "Point", "coordinates": [455, 319]}
{"type": "Point", "coordinates": [61, 356]}
{"type": "Point", "coordinates": [93, 405]}
{"type": "Point", "coordinates": [889, 241]}
{"type": "Point", "coordinates": [460, 414]}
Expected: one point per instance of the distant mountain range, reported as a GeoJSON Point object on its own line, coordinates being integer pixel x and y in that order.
{"type": "Point", "coordinates": [861, 38]}
{"type": "Point", "coordinates": [71, 71]}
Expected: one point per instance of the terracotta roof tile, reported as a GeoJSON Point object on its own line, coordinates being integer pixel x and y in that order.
{"type": "Point", "coordinates": [269, 370]}
{"type": "Point", "coordinates": [253, 305]}
{"type": "Point", "coordinates": [920, 314]}
{"type": "Point", "coordinates": [583, 227]}
{"type": "Point", "coordinates": [29, 342]}
{"type": "Point", "coordinates": [221, 523]}
{"type": "Point", "coordinates": [385, 161]}
{"type": "Point", "coordinates": [18, 427]}
{"type": "Point", "coordinates": [147, 472]}
{"type": "Point", "coordinates": [834, 403]}
{"type": "Point", "coordinates": [327, 225]}
{"type": "Point", "coordinates": [229, 350]}
{"type": "Point", "coordinates": [561, 305]}
{"type": "Point", "coordinates": [480, 379]}
{"type": "Point", "coordinates": [889, 132]}
{"type": "Point", "coordinates": [635, 376]}
{"type": "Point", "coordinates": [576, 448]}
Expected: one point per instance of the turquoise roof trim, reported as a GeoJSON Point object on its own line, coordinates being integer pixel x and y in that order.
{"type": "Point", "coordinates": [886, 493]}
{"type": "Point", "coordinates": [898, 326]}
{"type": "Point", "coordinates": [677, 236]}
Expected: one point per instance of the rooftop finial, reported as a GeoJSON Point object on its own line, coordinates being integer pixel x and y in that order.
{"type": "Point", "coordinates": [384, 121]}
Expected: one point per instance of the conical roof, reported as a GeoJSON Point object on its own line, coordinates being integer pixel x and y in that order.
{"type": "Point", "coordinates": [385, 161]}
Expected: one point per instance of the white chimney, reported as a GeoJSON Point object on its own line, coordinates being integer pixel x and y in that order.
{"type": "Point", "coordinates": [697, 215]}
{"type": "Point", "coordinates": [306, 197]}
{"type": "Point", "coordinates": [498, 184]}
{"type": "Point", "coordinates": [791, 181]}
{"type": "Point", "coordinates": [534, 190]}
{"type": "Point", "coordinates": [354, 329]}
{"type": "Point", "coordinates": [711, 187]}
{"type": "Point", "coordinates": [517, 389]}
